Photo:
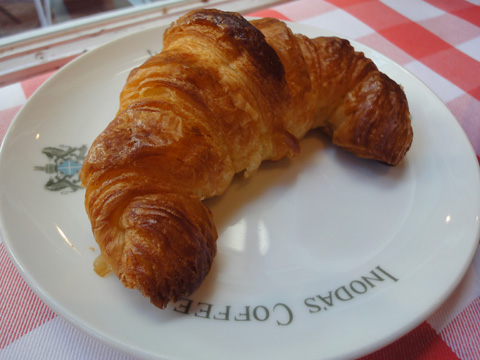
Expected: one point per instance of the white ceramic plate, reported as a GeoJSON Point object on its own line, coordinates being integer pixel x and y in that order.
{"type": "Point", "coordinates": [319, 257]}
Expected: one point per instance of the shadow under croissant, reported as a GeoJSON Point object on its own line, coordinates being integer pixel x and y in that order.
{"type": "Point", "coordinates": [279, 176]}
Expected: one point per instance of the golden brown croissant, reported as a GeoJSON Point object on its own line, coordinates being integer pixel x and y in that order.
{"type": "Point", "coordinates": [222, 96]}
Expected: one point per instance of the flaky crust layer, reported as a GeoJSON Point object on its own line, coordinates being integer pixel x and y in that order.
{"type": "Point", "coordinates": [222, 96]}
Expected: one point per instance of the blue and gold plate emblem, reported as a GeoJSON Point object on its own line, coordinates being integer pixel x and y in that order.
{"type": "Point", "coordinates": [63, 166]}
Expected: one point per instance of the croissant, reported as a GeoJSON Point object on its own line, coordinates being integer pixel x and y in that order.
{"type": "Point", "coordinates": [222, 96]}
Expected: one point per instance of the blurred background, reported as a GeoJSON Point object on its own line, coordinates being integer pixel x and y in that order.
{"type": "Point", "coordinates": [17, 16]}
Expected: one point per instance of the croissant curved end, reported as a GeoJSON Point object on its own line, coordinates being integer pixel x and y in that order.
{"type": "Point", "coordinates": [168, 245]}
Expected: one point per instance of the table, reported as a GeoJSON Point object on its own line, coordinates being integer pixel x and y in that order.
{"type": "Point", "coordinates": [436, 40]}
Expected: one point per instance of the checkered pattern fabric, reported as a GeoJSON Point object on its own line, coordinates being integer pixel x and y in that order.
{"type": "Point", "coordinates": [436, 40]}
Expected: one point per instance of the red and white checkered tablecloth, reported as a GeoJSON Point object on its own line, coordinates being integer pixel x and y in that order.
{"type": "Point", "coordinates": [436, 40]}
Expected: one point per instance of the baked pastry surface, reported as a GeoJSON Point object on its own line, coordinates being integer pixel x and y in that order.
{"type": "Point", "coordinates": [224, 95]}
